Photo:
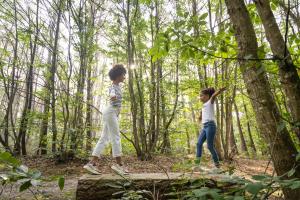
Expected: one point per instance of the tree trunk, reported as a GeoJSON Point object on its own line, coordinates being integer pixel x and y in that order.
{"type": "Point", "coordinates": [11, 87]}
{"type": "Point", "coordinates": [133, 102]}
{"type": "Point", "coordinates": [219, 131]}
{"type": "Point", "coordinates": [52, 76]}
{"type": "Point", "coordinates": [90, 57]}
{"type": "Point", "coordinates": [222, 117]}
{"type": "Point", "coordinates": [233, 147]}
{"type": "Point", "coordinates": [152, 94]}
{"type": "Point", "coordinates": [154, 138]}
{"type": "Point", "coordinates": [281, 147]}
{"type": "Point", "coordinates": [252, 145]}
{"type": "Point", "coordinates": [242, 138]}
{"type": "Point", "coordinates": [89, 110]}
{"type": "Point", "coordinates": [287, 70]}
{"type": "Point", "coordinates": [29, 85]}
{"type": "Point", "coordinates": [166, 138]}
{"type": "Point", "coordinates": [187, 128]}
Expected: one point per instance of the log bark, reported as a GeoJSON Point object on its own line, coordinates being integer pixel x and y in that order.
{"type": "Point", "coordinates": [92, 187]}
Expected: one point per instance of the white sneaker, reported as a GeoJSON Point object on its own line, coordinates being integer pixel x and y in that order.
{"type": "Point", "coordinates": [216, 170]}
{"type": "Point", "coordinates": [92, 169]}
{"type": "Point", "coordinates": [119, 169]}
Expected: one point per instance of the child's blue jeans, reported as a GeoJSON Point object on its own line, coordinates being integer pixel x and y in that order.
{"type": "Point", "coordinates": [208, 133]}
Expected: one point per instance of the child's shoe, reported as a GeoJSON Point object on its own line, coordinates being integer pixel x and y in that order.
{"type": "Point", "coordinates": [121, 170]}
{"type": "Point", "coordinates": [92, 168]}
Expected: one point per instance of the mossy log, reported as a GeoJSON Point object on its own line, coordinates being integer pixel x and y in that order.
{"type": "Point", "coordinates": [112, 186]}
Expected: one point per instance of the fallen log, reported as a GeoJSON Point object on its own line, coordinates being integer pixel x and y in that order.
{"type": "Point", "coordinates": [112, 186]}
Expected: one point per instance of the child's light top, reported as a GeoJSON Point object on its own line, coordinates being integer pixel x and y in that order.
{"type": "Point", "coordinates": [115, 91]}
{"type": "Point", "coordinates": [208, 112]}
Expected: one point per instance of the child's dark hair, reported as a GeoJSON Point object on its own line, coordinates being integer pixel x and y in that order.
{"type": "Point", "coordinates": [208, 91]}
{"type": "Point", "coordinates": [116, 71]}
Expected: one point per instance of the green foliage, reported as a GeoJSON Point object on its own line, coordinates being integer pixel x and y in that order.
{"type": "Point", "coordinates": [261, 187]}
{"type": "Point", "coordinates": [18, 173]}
{"type": "Point", "coordinates": [61, 183]}
{"type": "Point", "coordinates": [15, 172]}
{"type": "Point", "coordinates": [7, 159]}
{"type": "Point", "coordinates": [161, 47]}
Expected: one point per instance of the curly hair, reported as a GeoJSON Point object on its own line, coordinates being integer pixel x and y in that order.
{"type": "Point", "coordinates": [208, 91]}
{"type": "Point", "coordinates": [116, 71]}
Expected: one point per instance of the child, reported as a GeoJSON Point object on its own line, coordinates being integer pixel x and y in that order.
{"type": "Point", "coordinates": [208, 96]}
{"type": "Point", "coordinates": [111, 130]}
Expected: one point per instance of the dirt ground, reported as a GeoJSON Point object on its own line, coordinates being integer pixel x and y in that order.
{"type": "Point", "coordinates": [73, 170]}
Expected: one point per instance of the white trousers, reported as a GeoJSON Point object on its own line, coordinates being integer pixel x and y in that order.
{"type": "Point", "coordinates": [110, 132]}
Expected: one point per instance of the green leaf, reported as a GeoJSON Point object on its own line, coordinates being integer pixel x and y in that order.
{"type": "Point", "coordinates": [36, 175]}
{"type": "Point", "coordinates": [202, 23]}
{"type": "Point", "coordinates": [295, 185]}
{"type": "Point", "coordinates": [118, 193]}
{"type": "Point", "coordinates": [203, 192]}
{"type": "Point", "coordinates": [113, 185]}
{"type": "Point", "coordinates": [291, 172]}
{"type": "Point", "coordinates": [261, 52]}
{"type": "Point", "coordinates": [4, 176]}
{"type": "Point", "coordinates": [127, 184]}
{"type": "Point", "coordinates": [7, 158]}
{"type": "Point", "coordinates": [35, 182]}
{"type": "Point", "coordinates": [298, 157]}
{"type": "Point", "coordinates": [61, 182]}
{"type": "Point", "coordinates": [203, 16]}
{"type": "Point", "coordinates": [25, 186]}
{"type": "Point", "coordinates": [238, 198]}
{"type": "Point", "coordinates": [254, 188]}
{"type": "Point", "coordinates": [259, 177]}
{"type": "Point", "coordinates": [23, 168]}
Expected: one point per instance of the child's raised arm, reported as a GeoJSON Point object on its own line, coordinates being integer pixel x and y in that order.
{"type": "Point", "coordinates": [213, 97]}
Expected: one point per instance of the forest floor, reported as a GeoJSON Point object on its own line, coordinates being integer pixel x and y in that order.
{"type": "Point", "coordinates": [72, 170]}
